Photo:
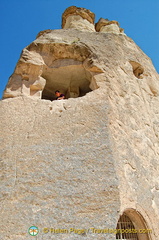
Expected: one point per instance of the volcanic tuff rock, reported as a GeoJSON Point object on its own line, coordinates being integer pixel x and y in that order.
{"type": "Point", "coordinates": [82, 161]}
{"type": "Point", "coordinates": [104, 25]}
{"type": "Point", "coordinates": [78, 18]}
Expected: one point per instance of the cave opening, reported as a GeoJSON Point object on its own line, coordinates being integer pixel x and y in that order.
{"type": "Point", "coordinates": [70, 77]}
{"type": "Point", "coordinates": [137, 69]}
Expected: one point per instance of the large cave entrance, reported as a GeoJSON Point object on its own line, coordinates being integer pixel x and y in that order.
{"type": "Point", "coordinates": [69, 76]}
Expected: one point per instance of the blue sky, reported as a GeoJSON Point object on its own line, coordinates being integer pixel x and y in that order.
{"type": "Point", "coordinates": [21, 20]}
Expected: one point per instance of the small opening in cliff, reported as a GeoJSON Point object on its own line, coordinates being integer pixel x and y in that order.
{"type": "Point", "coordinates": [70, 77]}
{"type": "Point", "coordinates": [125, 223]}
{"type": "Point", "coordinates": [137, 69]}
{"type": "Point", "coordinates": [134, 225]}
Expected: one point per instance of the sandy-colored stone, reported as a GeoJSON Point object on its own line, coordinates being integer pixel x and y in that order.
{"type": "Point", "coordinates": [106, 26]}
{"type": "Point", "coordinates": [56, 64]}
{"type": "Point", "coordinates": [77, 22]}
{"type": "Point", "coordinates": [83, 161]}
{"type": "Point", "coordinates": [73, 10]}
{"type": "Point", "coordinates": [78, 18]}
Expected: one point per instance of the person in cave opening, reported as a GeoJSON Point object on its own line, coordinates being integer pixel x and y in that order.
{"type": "Point", "coordinates": [59, 95]}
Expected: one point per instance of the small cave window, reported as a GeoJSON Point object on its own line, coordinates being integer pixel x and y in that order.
{"type": "Point", "coordinates": [126, 229]}
{"type": "Point", "coordinates": [132, 226]}
{"type": "Point", "coordinates": [69, 77]}
{"type": "Point", "coordinates": [137, 69]}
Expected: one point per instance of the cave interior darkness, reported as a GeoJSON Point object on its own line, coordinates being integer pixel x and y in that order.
{"type": "Point", "coordinates": [69, 77]}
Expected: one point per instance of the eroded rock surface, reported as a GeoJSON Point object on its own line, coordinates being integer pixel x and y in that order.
{"type": "Point", "coordinates": [78, 18]}
{"type": "Point", "coordinates": [82, 161]}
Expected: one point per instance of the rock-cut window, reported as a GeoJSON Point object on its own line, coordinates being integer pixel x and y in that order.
{"type": "Point", "coordinates": [125, 229]}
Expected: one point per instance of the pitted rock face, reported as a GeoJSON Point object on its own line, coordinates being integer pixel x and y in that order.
{"type": "Point", "coordinates": [78, 18]}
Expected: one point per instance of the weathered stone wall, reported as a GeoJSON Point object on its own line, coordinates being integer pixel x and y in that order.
{"type": "Point", "coordinates": [134, 127]}
{"type": "Point", "coordinates": [82, 162]}
{"type": "Point", "coordinates": [58, 167]}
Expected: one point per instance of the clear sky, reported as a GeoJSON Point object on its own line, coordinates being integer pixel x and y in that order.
{"type": "Point", "coordinates": [21, 20]}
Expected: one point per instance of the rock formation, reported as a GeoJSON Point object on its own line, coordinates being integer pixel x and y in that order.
{"type": "Point", "coordinates": [78, 18]}
{"type": "Point", "coordinates": [104, 25]}
{"type": "Point", "coordinates": [78, 166]}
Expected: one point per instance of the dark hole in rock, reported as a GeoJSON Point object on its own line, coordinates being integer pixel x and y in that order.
{"type": "Point", "coordinates": [137, 69]}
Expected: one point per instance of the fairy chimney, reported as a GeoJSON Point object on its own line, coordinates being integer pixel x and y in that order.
{"type": "Point", "coordinates": [106, 26]}
{"type": "Point", "coordinates": [85, 167]}
{"type": "Point", "coordinates": [78, 18]}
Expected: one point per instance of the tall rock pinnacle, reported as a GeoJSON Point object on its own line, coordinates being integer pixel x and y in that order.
{"type": "Point", "coordinates": [86, 166]}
